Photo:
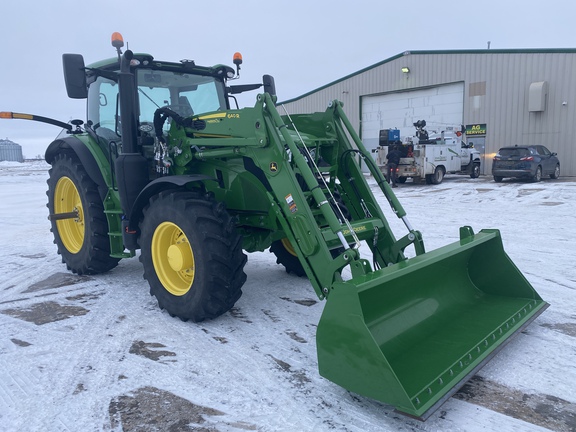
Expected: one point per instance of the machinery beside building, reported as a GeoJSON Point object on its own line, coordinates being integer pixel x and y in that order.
{"type": "Point", "coordinates": [165, 165]}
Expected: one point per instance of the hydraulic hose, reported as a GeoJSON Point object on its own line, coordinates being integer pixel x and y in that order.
{"type": "Point", "coordinates": [161, 114]}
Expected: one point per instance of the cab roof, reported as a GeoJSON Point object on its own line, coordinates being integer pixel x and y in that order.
{"type": "Point", "coordinates": [147, 61]}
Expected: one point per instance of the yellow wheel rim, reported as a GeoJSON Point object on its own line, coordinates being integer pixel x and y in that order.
{"type": "Point", "coordinates": [67, 199]}
{"type": "Point", "coordinates": [173, 258]}
{"type": "Point", "coordinates": [288, 246]}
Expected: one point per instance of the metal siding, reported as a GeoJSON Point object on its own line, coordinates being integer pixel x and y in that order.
{"type": "Point", "coordinates": [10, 152]}
{"type": "Point", "coordinates": [440, 106]}
{"type": "Point", "coordinates": [504, 108]}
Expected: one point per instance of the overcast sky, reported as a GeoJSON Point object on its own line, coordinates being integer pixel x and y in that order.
{"type": "Point", "coordinates": [304, 44]}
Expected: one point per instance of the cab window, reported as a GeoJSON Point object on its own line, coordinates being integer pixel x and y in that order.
{"type": "Point", "coordinates": [103, 108]}
{"type": "Point", "coordinates": [185, 94]}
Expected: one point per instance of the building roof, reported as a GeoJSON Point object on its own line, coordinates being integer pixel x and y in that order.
{"type": "Point", "coordinates": [7, 142]}
{"type": "Point", "coordinates": [437, 52]}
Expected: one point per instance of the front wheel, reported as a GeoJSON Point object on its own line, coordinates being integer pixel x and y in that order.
{"type": "Point", "coordinates": [556, 172]}
{"type": "Point", "coordinates": [192, 255]}
{"type": "Point", "coordinates": [475, 172]}
{"type": "Point", "coordinates": [82, 240]}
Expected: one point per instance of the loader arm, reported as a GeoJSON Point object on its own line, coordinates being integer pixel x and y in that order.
{"type": "Point", "coordinates": [404, 331]}
{"type": "Point", "coordinates": [308, 214]}
{"type": "Point", "coordinates": [408, 332]}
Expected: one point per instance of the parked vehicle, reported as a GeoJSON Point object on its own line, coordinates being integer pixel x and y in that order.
{"type": "Point", "coordinates": [431, 157]}
{"type": "Point", "coordinates": [528, 162]}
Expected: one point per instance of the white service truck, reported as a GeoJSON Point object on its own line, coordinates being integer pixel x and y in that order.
{"type": "Point", "coordinates": [431, 158]}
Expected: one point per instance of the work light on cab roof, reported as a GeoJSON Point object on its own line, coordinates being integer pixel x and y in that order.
{"type": "Point", "coordinates": [118, 43]}
{"type": "Point", "coordinates": [117, 40]}
{"type": "Point", "coordinates": [237, 59]}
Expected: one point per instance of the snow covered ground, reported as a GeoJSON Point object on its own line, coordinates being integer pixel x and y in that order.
{"type": "Point", "coordinates": [95, 353]}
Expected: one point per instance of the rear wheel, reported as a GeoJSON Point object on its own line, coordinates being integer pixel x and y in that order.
{"type": "Point", "coordinates": [192, 255]}
{"type": "Point", "coordinates": [82, 240]}
{"type": "Point", "coordinates": [498, 179]}
{"type": "Point", "coordinates": [286, 256]}
{"type": "Point", "coordinates": [438, 176]}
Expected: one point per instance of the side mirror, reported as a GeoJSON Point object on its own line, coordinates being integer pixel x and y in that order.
{"type": "Point", "coordinates": [269, 87]}
{"type": "Point", "coordinates": [75, 76]}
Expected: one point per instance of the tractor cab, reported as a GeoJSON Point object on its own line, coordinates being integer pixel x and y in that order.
{"type": "Point", "coordinates": [183, 87]}
{"type": "Point", "coordinates": [184, 92]}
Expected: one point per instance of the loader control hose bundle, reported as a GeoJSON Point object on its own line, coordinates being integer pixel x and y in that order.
{"type": "Point", "coordinates": [161, 114]}
{"type": "Point", "coordinates": [161, 156]}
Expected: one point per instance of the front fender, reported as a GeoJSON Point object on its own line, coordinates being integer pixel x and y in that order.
{"type": "Point", "coordinates": [157, 186]}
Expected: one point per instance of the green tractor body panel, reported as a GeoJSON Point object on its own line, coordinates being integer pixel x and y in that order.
{"type": "Point", "coordinates": [112, 205]}
{"type": "Point", "coordinates": [405, 331]}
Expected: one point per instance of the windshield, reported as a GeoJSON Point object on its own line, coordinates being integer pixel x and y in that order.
{"type": "Point", "coordinates": [514, 152]}
{"type": "Point", "coordinates": [184, 93]}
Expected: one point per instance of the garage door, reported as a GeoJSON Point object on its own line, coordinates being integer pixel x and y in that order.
{"type": "Point", "coordinates": [442, 107]}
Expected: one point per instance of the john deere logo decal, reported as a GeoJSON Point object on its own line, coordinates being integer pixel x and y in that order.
{"type": "Point", "coordinates": [273, 167]}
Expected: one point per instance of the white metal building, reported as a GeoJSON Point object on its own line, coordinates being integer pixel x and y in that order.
{"type": "Point", "coordinates": [501, 98]}
{"type": "Point", "coordinates": [10, 151]}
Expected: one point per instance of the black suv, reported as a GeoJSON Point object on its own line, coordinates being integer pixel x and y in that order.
{"type": "Point", "coordinates": [530, 162]}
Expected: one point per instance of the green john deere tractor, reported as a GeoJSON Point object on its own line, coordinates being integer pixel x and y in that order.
{"type": "Point", "coordinates": [166, 165]}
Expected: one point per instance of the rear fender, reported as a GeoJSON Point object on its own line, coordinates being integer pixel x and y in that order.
{"type": "Point", "coordinates": [85, 156]}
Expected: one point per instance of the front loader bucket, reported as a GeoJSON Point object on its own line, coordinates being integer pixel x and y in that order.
{"type": "Point", "coordinates": [411, 334]}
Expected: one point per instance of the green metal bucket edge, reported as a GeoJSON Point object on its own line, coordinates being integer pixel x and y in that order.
{"type": "Point", "coordinates": [430, 408]}
{"type": "Point", "coordinates": [349, 356]}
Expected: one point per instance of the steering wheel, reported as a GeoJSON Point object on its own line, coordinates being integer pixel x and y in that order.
{"type": "Point", "coordinates": [182, 109]}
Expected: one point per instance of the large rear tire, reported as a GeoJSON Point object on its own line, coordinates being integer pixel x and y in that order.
{"type": "Point", "coordinates": [192, 255]}
{"type": "Point", "coordinates": [285, 253]}
{"type": "Point", "coordinates": [82, 241]}
{"type": "Point", "coordinates": [286, 256]}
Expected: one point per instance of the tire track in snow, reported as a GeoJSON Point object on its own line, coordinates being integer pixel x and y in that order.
{"type": "Point", "coordinates": [82, 343]}
{"type": "Point", "coordinates": [240, 377]}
